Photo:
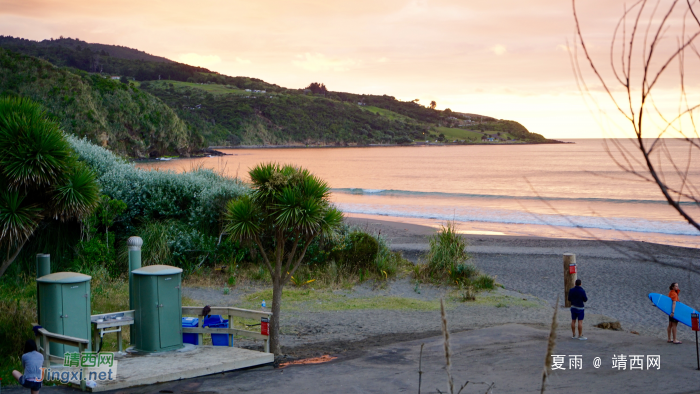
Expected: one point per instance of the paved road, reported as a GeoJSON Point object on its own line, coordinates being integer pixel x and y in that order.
{"type": "Point", "coordinates": [510, 356]}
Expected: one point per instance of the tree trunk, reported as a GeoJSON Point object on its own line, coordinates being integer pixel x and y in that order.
{"type": "Point", "coordinates": [275, 320]}
{"type": "Point", "coordinates": [6, 264]}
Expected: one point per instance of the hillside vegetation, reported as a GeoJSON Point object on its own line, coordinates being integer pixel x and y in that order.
{"type": "Point", "coordinates": [107, 112]}
{"type": "Point", "coordinates": [163, 107]}
{"type": "Point", "coordinates": [240, 117]}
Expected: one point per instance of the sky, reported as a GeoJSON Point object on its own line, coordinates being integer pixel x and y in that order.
{"type": "Point", "coordinates": [506, 59]}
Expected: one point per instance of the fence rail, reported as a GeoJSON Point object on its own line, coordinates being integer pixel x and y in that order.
{"type": "Point", "coordinates": [230, 312]}
{"type": "Point", "coordinates": [44, 339]}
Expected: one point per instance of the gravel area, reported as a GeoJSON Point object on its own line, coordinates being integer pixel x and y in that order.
{"type": "Point", "coordinates": [350, 332]}
{"type": "Point", "coordinates": [617, 277]}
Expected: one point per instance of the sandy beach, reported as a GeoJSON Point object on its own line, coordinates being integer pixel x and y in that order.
{"type": "Point", "coordinates": [617, 275]}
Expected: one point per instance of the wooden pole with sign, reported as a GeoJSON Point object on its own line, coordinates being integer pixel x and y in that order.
{"type": "Point", "coordinates": [569, 278]}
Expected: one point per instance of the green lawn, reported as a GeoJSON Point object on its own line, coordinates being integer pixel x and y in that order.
{"type": "Point", "coordinates": [459, 134]}
{"type": "Point", "coordinates": [211, 88]}
{"type": "Point", "coordinates": [385, 112]}
{"type": "Point", "coordinates": [295, 299]}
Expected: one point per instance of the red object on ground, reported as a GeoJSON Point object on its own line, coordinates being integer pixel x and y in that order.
{"type": "Point", "coordinates": [572, 268]}
{"type": "Point", "coordinates": [264, 327]}
{"type": "Point", "coordinates": [694, 319]}
{"type": "Point", "coordinates": [316, 360]}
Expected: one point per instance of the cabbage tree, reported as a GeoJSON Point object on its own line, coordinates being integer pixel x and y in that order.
{"type": "Point", "coordinates": [40, 177]}
{"type": "Point", "coordinates": [287, 209]}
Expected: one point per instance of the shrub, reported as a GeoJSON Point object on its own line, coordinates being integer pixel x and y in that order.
{"type": "Point", "coordinates": [359, 252]}
{"type": "Point", "coordinates": [447, 262]}
{"type": "Point", "coordinates": [484, 282]}
{"type": "Point", "coordinates": [17, 312]}
{"type": "Point", "coordinates": [196, 197]}
{"type": "Point", "coordinates": [447, 253]}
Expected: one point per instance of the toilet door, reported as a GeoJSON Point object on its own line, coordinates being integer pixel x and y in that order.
{"type": "Point", "coordinates": [75, 312]}
{"type": "Point", "coordinates": [168, 310]}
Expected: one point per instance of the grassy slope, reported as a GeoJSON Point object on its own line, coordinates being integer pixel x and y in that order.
{"type": "Point", "coordinates": [250, 118]}
{"type": "Point", "coordinates": [207, 87]}
{"type": "Point", "coordinates": [333, 119]}
{"type": "Point", "coordinates": [385, 112]}
{"type": "Point", "coordinates": [459, 134]}
{"type": "Point", "coordinates": [228, 115]}
{"type": "Point", "coordinates": [125, 119]}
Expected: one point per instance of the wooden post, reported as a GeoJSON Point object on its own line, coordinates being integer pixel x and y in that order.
{"type": "Point", "coordinates": [569, 279]}
{"type": "Point", "coordinates": [230, 325]}
{"type": "Point", "coordinates": [45, 351]}
{"type": "Point", "coordinates": [81, 350]}
{"type": "Point", "coordinates": [200, 336]}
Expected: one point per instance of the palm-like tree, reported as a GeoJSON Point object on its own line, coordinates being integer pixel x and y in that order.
{"type": "Point", "coordinates": [40, 177]}
{"type": "Point", "coordinates": [288, 208]}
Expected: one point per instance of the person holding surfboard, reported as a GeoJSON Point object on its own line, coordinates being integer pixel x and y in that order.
{"type": "Point", "coordinates": [672, 322]}
{"type": "Point", "coordinates": [577, 296]}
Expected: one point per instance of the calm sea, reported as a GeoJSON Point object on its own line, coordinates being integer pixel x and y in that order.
{"type": "Point", "coordinates": [564, 190]}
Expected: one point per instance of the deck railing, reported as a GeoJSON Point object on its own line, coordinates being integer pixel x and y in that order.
{"type": "Point", "coordinates": [44, 339]}
{"type": "Point", "coordinates": [230, 312]}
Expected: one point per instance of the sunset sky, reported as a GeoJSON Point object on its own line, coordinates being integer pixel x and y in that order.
{"type": "Point", "coordinates": [507, 59]}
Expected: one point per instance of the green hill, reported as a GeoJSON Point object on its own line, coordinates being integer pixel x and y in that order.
{"type": "Point", "coordinates": [230, 116]}
{"type": "Point", "coordinates": [203, 107]}
{"type": "Point", "coordinates": [112, 114]}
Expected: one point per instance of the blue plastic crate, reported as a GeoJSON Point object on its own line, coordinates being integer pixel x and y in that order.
{"type": "Point", "coordinates": [212, 319]}
{"type": "Point", "coordinates": [219, 339]}
{"type": "Point", "coordinates": [190, 338]}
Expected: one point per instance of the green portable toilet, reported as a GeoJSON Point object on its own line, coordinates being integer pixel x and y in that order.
{"type": "Point", "coordinates": [157, 308]}
{"type": "Point", "coordinates": [64, 307]}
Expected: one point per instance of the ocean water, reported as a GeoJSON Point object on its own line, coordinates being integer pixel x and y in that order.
{"type": "Point", "coordinates": [563, 190]}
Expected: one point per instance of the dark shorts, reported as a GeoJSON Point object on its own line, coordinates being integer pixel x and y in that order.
{"type": "Point", "coordinates": [29, 384]}
{"type": "Point", "coordinates": [577, 314]}
{"type": "Point", "coordinates": [672, 320]}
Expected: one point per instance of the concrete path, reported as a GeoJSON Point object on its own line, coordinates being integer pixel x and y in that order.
{"type": "Point", "coordinates": [510, 356]}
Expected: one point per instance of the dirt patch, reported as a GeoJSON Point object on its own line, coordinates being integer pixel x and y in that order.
{"type": "Point", "coordinates": [348, 349]}
{"type": "Point", "coordinates": [615, 326]}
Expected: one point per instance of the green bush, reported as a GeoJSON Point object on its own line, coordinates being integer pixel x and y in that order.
{"type": "Point", "coordinates": [447, 253]}
{"type": "Point", "coordinates": [447, 261]}
{"type": "Point", "coordinates": [196, 197]}
{"type": "Point", "coordinates": [354, 250]}
{"type": "Point", "coordinates": [363, 249]}
{"type": "Point", "coordinates": [463, 273]}
{"type": "Point", "coordinates": [17, 312]}
{"type": "Point", "coordinates": [484, 282]}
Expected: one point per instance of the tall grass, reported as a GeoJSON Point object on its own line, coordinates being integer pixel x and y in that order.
{"type": "Point", "coordinates": [447, 251]}
{"type": "Point", "coordinates": [17, 313]}
{"type": "Point", "coordinates": [448, 262]}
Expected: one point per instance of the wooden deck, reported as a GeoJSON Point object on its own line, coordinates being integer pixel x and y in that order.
{"type": "Point", "coordinates": [137, 369]}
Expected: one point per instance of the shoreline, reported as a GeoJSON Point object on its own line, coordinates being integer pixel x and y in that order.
{"type": "Point", "coordinates": [215, 151]}
{"type": "Point", "coordinates": [617, 275]}
{"type": "Point", "coordinates": [549, 142]}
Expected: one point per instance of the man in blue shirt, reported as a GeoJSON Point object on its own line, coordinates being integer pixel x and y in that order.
{"type": "Point", "coordinates": [577, 296]}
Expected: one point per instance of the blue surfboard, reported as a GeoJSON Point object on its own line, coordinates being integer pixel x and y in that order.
{"type": "Point", "coordinates": [682, 313]}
